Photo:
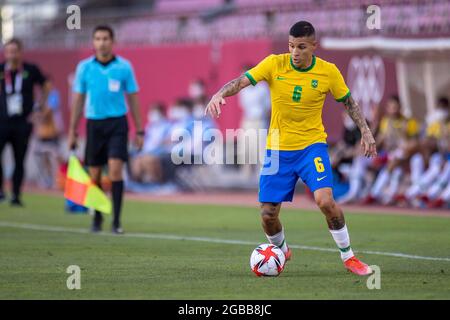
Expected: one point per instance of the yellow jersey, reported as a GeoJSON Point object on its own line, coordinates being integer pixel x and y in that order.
{"type": "Point", "coordinates": [395, 131]}
{"type": "Point", "coordinates": [438, 130]}
{"type": "Point", "coordinates": [399, 128]}
{"type": "Point", "coordinates": [297, 97]}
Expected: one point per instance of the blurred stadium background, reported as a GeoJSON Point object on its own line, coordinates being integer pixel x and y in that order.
{"type": "Point", "coordinates": [184, 50]}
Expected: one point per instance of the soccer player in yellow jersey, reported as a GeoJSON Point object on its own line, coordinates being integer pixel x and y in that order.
{"type": "Point", "coordinates": [299, 82]}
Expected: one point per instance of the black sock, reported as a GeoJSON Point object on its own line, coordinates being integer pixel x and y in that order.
{"type": "Point", "coordinates": [98, 218]}
{"type": "Point", "coordinates": [117, 195]}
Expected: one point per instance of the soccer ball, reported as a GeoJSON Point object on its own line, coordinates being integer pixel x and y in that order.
{"type": "Point", "coordinates": [267, 260]}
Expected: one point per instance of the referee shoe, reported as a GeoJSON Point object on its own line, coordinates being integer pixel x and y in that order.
{"type": "Point", "coordinates": [117, 230]}
{"type": "Point", "coordinates": [97, 224]}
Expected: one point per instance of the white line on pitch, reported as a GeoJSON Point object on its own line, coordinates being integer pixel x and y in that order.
{"type": "Point", "coordinates": [204, 239]}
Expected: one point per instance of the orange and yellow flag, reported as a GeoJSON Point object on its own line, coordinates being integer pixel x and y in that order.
{"type": "Point", "coordinates": [81, 190]}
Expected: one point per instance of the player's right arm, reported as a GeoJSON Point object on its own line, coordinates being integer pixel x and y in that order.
{"type": "Point", "coordinates": [75, 116]}
{"type": "Point", "coordinates": [230, 89]}
{"type": "Point", "coordinates": [79, 96]}
{"type": "Point", "coordinates": [263, 71]}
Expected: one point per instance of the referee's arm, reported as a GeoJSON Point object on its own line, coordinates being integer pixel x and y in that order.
{"type": "Point", "coordinates": [75, 116]}
{"type": "Point", "coordinates": [133, 102]}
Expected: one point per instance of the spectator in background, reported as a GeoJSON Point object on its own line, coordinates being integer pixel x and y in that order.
{"type": "Point", "coordinates": [47, 145]}
{"type": "Point", "coordinates": [255, 104]}
{"type": "Point", "coordinates": [49, 128]}
{"type": "Point", "coordinates": [197, 90]}
{"type": "Point", "coordinates": [359, 173]}
{"type": "Point", "coordinates": [157, 166]}
{"type": "Point", "coordinates": [344, 150]}
{"type": "Point", "coordinates": [432, 156]}
{"type": "Point", "coordinates": [182, 120]}
{"type": "Point", "coordinates": [438, 195]}
{"type": "Point", "coordinates": [202, 134]}
{"type": "Point", "coordinates": [146, 165]}
{"type": "Point", "coordinates": [54, 103]}
{"type": "Point", "coordinates": [180, 114]}
{"type": "Point", "coordinates": [397, 136]}
{"type": "Point", "coordinates": [17, 103]}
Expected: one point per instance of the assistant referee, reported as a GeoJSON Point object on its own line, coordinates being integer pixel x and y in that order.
{"type": "Point", "coordinates": [101, 83]}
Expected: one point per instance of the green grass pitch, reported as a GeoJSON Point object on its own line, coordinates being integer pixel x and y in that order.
{"type": "Point", "coordinates": [152, 261]}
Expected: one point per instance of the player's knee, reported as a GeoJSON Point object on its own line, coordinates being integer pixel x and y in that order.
{"type": "Point", "coordinates": [115, 176]}
{"type": "Point", "coordinates": [325, 203]}
{"type": "Point", "coordinates": [115, 173]}
{"type": "Point", "coordinates": [269, 212]}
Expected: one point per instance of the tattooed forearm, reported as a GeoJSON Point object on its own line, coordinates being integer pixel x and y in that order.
{"type": "Point", "coordinates": [355, 113]}
{"type": "Point", "coordinates": [367, 139]}
{"type": "Point", "coordinates": [234, 86]}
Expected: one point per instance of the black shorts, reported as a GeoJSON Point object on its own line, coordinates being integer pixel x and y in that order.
{"type": "Point", "coordinates": [106, 139]}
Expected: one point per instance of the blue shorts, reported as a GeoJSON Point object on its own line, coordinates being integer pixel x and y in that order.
{"type": "Point", "coordinates": [282, 169]}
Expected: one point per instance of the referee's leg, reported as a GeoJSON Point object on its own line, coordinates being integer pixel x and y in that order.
{"type": "Point", "coordinates": [95, 172]}
{"type": "Point", "coordinates": [115, 166]}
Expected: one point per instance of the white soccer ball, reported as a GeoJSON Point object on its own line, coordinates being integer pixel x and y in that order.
{"type": "Point", "coordinates": [267, 260]}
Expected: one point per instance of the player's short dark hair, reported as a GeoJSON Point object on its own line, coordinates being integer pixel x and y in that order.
{"type": "Point", "coordinates": [443, 102]}
{"type": "Point", "coordinates": [104, 28]}
{"type": "Point", "coordinates": [302, 29]}
{"type": "Point", "coordinates": [15, 41]}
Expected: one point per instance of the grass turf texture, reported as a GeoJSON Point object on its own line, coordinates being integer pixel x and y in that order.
{"type": "Point", "coordinates": [33, 263]}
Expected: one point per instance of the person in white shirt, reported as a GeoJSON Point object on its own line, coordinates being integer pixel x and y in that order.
{"type": "Point", "coordinates": [146, 165]}
{"type": "Point", "coordinates": [255, 104]}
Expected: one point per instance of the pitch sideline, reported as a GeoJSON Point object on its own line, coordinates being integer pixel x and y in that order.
{"type": "Point", "coordinates": [204, 239]}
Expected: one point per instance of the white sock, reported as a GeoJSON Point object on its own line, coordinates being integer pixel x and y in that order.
{"type": "Point", "coordinates": [342, 240]}
{"type": "Point", "coordinates": [278, 240]}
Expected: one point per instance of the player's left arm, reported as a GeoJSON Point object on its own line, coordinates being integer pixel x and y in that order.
{"type": "Point", "coordinates": [367, 140]}
{"type": "Point", "coordinates": [133, 102]}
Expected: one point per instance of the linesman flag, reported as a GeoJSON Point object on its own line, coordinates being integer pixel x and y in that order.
{"type": "Point", "coordinates": [81, 190]}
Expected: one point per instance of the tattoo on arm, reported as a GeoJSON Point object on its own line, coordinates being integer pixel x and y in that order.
{"type": "Point", "coordinates": [355, 113]}
{"type": "Point", "coordinates": [234, 86]}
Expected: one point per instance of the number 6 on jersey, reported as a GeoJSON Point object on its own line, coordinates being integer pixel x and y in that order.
{"type": "Point", "coordinates": [319, 164]}
{"type": "Point", "coordinates": [296, 96]}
